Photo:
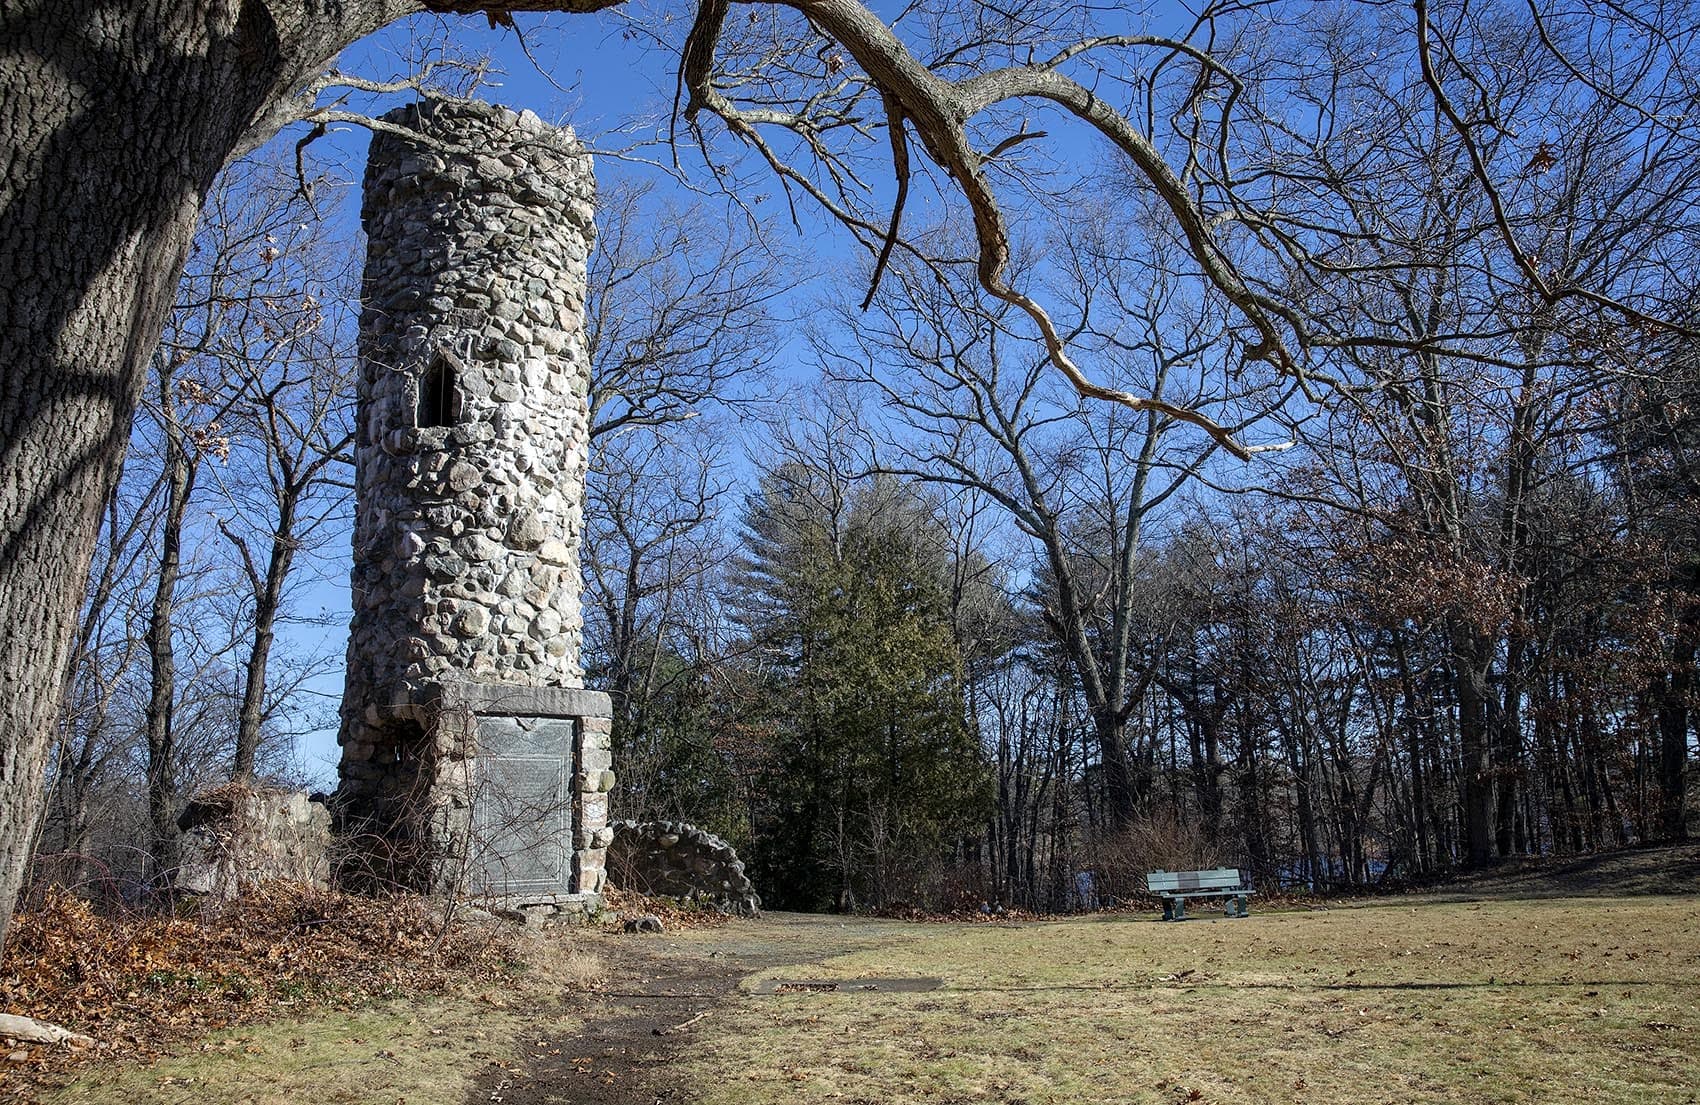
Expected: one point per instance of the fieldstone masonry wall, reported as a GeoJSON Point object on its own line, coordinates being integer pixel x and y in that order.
{"type": "Point", "coordinates": [466, 541]}
{"type": "Point", "coordinates": [464, 685]}
{"type": "Point", "coordinates": [239, 835]}
{"type": "Point", "coordinates": [679, 860]}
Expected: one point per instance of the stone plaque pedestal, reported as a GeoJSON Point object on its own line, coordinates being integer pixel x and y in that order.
{"type": "Point", "coordinates": [509, 801]}
{"type": "Point", "coordinates": [538, 788]}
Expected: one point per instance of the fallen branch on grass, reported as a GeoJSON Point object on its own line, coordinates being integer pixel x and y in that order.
{"type": "Point", "coordinates": [28, 1030]}
{"type": "Point", "coordinates": [682, 1025]}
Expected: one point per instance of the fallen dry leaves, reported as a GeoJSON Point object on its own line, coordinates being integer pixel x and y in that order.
{"type": "Point", "coordinates": [140, 982]}
{"type": "Point", "coordinates": [619, 905]}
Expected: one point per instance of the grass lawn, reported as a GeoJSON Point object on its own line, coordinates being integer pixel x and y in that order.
{"type": "Point", "coordinates": [1554, 1000]}
{"type": "Point", "coordinates": [387, 1054]}
{"type": "Point", "coordinates": [1520, 1001]}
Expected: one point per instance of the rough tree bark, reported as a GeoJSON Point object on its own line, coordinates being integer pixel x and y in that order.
{"type": "Point", "coordinates": [84, 299]}
{"type": "Point", "coordinates": [1475, 783]}
{"type": "Point", "coordinates": [1673, 747]}
{"type": "Point", "coordinates": [1674, 695]}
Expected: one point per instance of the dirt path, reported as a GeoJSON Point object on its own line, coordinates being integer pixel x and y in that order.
{"type": "Point", "coordinates": [662, 990]}
{"type": "Point", "coordinates": [632, 1030]}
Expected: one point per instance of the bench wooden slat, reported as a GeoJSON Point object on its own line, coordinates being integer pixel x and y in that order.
{"type": "Point", "coordinates": [1221, 878]}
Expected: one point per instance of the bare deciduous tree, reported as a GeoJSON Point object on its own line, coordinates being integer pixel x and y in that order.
{"type": "Point", "coordinates": [976, 408]}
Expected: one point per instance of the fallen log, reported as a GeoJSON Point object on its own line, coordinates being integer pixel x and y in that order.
{"type": "Point", "coordinates": [31, 1031]}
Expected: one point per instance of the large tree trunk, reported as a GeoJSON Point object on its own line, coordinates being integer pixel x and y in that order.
{"type": "Point", "coordinates": [1475, 778]}
{"type": "Point", "coordinates": [1673, 713]}
{"type": "Point", "coordinates": [1205, 744]}
{"type": "Point", "coordinates": [1298, 763]}
{"type": "Point", "coordinates": [1508, 761]}
{"type": "Point", "coordinates": [116, 119]}
{"type": "Point", "coordinates": [1120, 793]}
{"type": "Point", "coordinates": [1674, 696]}
{"type": "Point", "coordinates": [84, 299]}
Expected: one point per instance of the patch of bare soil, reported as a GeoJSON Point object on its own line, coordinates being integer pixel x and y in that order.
{"type": "Point", "coordinates": [661, 991]}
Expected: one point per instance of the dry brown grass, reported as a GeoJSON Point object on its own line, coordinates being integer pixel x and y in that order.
{"type": "Point", "coordinates": [1566, 1000]}
{"type": "Point", "coordinates": [430, 1048]}
{"type": "Point", "coordinates": [424, 1052]}
{"type": "Point", "coordinates": [1550, 1001]}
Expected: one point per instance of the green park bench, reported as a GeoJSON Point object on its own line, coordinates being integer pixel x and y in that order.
{"type": "Point", "coordinates": [1175, 887]}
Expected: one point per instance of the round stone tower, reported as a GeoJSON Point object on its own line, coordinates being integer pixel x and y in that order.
{"type": "Point", "coordinates": [463, 684]}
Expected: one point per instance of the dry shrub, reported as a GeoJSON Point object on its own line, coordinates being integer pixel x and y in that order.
{"type": "Point", "coordinates": [137, 983]}
{"type": "Point", "coordinates": [1158, 840]}
{"type": "Point", "coordinates": [934, 884]}
{"type": "Point", "coordinates": [962, 914]}
{"type": "Point", "coordinates": [940, 888]}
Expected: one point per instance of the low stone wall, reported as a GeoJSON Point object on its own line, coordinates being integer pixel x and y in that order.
{"type": "Point", "coordinates": [676, 860]}
{"type": "Point", "coordinates": [237, 835]}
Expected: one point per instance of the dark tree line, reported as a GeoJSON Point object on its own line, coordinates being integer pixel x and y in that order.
{"type": "Point", "coordinates": [1298, 709]}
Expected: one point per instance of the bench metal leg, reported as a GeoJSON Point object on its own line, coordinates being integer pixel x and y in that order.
{"type": "Point", "coordinates": [1180, 909]}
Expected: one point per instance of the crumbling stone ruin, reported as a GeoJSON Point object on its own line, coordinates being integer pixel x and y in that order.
{"type": "Point", "coordinates": [472, 757]}
{"type": "Point", "coordinates": [240, 834]}
{"type": "Point", "coordinates": [678, 860]}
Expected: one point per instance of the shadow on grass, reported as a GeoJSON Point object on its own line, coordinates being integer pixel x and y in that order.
{"type": "Point", "coordinates": [1211, 984]}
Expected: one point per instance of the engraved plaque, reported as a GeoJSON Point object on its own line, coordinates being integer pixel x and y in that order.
{"type": "Point", "coordinates": [522, 807]}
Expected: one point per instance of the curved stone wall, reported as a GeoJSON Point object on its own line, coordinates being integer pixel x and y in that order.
{"type": "Point", "coordinates": [676, 860]}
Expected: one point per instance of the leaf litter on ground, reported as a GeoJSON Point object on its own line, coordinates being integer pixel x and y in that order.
{"type": "Point", "coordinates": [141, 982]}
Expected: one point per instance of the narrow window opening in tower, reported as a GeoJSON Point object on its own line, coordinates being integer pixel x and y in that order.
{"type": "Point", "coordinates": [439, 397]}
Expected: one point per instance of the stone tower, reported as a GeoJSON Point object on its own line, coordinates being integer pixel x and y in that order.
{"type": "Point", "coordinates": [472, 757]}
